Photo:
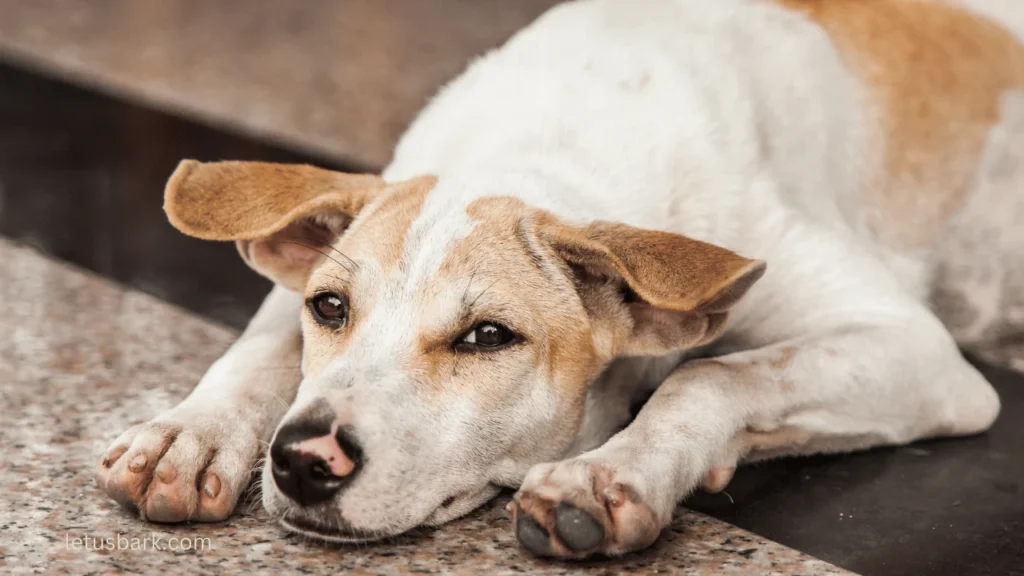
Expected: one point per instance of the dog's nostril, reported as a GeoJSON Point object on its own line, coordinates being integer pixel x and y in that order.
{"type": "Point", "coordinates": [319, 470]}
{"type": "Point", "coordinates": [281, 465]}
{"type": "Point", "coordinates": [310, 465]}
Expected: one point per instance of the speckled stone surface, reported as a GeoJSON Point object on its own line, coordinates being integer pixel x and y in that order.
{"type": "Point", "coordinates": [81, 359]}
{"type": "Point", "coordinates": [339, 77]}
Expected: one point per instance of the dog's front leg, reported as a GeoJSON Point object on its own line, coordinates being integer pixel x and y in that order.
{"type": "Point", "coordinates": [847, 390]}
{"type": "Point", "coordinates": [194, 461]}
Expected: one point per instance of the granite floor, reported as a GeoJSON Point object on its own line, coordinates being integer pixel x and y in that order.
{"type": "Point", "coordinates": [107, 316]}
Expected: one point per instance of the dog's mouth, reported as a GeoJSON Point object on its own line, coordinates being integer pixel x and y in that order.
{"type": "Point", "coordinates": [336, 531]}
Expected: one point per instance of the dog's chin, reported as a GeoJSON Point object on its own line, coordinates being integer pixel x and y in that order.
{"type": "Point", "coordinates": [332, 532]}
{"type": "Point", "coordinates": [462, 505]}
{"type": "Point", "coordinates": [316, 531]}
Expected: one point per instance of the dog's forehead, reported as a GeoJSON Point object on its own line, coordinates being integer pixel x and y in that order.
{"type": "Point", "coordinates": [435, 236]}
{"type": "Point", "coordinates": [430, 235]}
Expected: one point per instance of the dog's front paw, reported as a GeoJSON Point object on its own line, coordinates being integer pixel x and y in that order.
{"type": "Point", "coordinates": [184, 465]}
{"type": "Point", "coordinates": [577, 508]}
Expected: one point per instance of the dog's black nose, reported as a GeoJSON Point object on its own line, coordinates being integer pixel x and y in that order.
{"type": "Point", "coordinates": [310, 464]}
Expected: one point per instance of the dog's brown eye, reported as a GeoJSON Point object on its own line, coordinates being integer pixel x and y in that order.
{"type": "Point", "coordinates": [487, 336]}
{"type": "Point", "coordinates": [329, 308]}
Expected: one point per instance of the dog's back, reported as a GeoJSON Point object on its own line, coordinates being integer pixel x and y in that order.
{"type": "Point", "coordinates": [946, 83]}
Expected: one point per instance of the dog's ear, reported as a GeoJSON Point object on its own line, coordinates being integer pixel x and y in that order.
{"type": "Point", "coordinates": [283, 217]}
{"type": "Point", "coordinates": [674, 291]}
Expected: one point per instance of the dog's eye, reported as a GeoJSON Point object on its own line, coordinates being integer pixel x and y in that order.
{"type": "Point", "coordinates": [487, 336]}
{"type": "Point", "coordinates": [329, 308]}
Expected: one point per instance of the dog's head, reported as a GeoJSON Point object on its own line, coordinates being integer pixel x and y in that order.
{"type": "Point", "coordinates": [449, 340]}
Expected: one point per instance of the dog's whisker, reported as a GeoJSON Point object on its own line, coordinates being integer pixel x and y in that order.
{"type": "Point", "coordinates": [309, 226]}
{"type": "Point", "coordinates": [469, 285]}
{"type": "Point", "coordinates": [484, 291]}
{"type": "Point", "coordinates": [284, 404]}
{"type": "Point", "coordinates": [324, 254]}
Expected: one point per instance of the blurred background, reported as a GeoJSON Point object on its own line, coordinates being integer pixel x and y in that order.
{"type": "Point", "coordinates": [99, 101]}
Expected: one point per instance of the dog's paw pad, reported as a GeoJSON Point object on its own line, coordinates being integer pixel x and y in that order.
{"type": "Point", "coordinates": [575, 509]}
{"type": "Point", "coordinates": [577, 529]}
{"type": "Point", "coordinates": [533, 536]}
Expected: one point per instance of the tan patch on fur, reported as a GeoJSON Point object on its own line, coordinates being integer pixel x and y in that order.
{"type": "Point", "coordinates": [383, 231]}
{"type": "Point", "coordinates": [494, 261]}
{"type": "Point", "coordinates": [937, 72]}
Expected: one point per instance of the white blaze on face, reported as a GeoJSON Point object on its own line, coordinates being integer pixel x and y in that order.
{"type": "Point", "coordinates": [442, 223]}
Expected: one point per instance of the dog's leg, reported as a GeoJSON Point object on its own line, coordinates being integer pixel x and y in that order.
{"type": "Point", "coordinates": [195, 460]}
{"type": "Point", "coordinates": [845, 389]}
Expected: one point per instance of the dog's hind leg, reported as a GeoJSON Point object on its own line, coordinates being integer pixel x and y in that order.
{"type": "Point", "coordinates": [195, 460]}
{"type": "Point", "coordinates": [978, 290]}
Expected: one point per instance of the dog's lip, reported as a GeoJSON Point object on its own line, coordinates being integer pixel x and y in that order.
{"type": "Point", "coordinates": [319, 531]}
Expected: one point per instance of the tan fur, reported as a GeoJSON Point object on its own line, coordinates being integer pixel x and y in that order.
{"type": "Point", "coordinates": [936, 73]}
{"type": "Point", "coordinates": [505, 245]}
{"type": "Point", "coordinates": [386, 225]}
{"type": "Point", "coordinates": [248, 200]}
{"type": "Point", "coordinates": [669, 271]}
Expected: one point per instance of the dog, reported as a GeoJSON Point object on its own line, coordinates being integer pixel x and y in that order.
{"type": "Point", "coordinates": [773, 220]}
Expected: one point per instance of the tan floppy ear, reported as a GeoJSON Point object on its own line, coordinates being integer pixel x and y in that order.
{"type": "Point", "coordinates": [282, 216]}
{"type": "Point", "coordinates": [675, 290]}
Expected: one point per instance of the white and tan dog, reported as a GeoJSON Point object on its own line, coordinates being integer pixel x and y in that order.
{"type": "Point", "coordinates": [559, 235]}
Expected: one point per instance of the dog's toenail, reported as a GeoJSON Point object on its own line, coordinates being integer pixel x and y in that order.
{"type": "Point", "coordinates": [577, 529]}
{"type": "Point", "coordinates": [138, 463]}
{"type": "Point", "coordinates": [112, 457]}
{"type": "Point", "coordinates": [211, 485]}
{"type": "Point", "coordinates": [613, 498]}
{"type": "Point", "coordinates": [533, 536]}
